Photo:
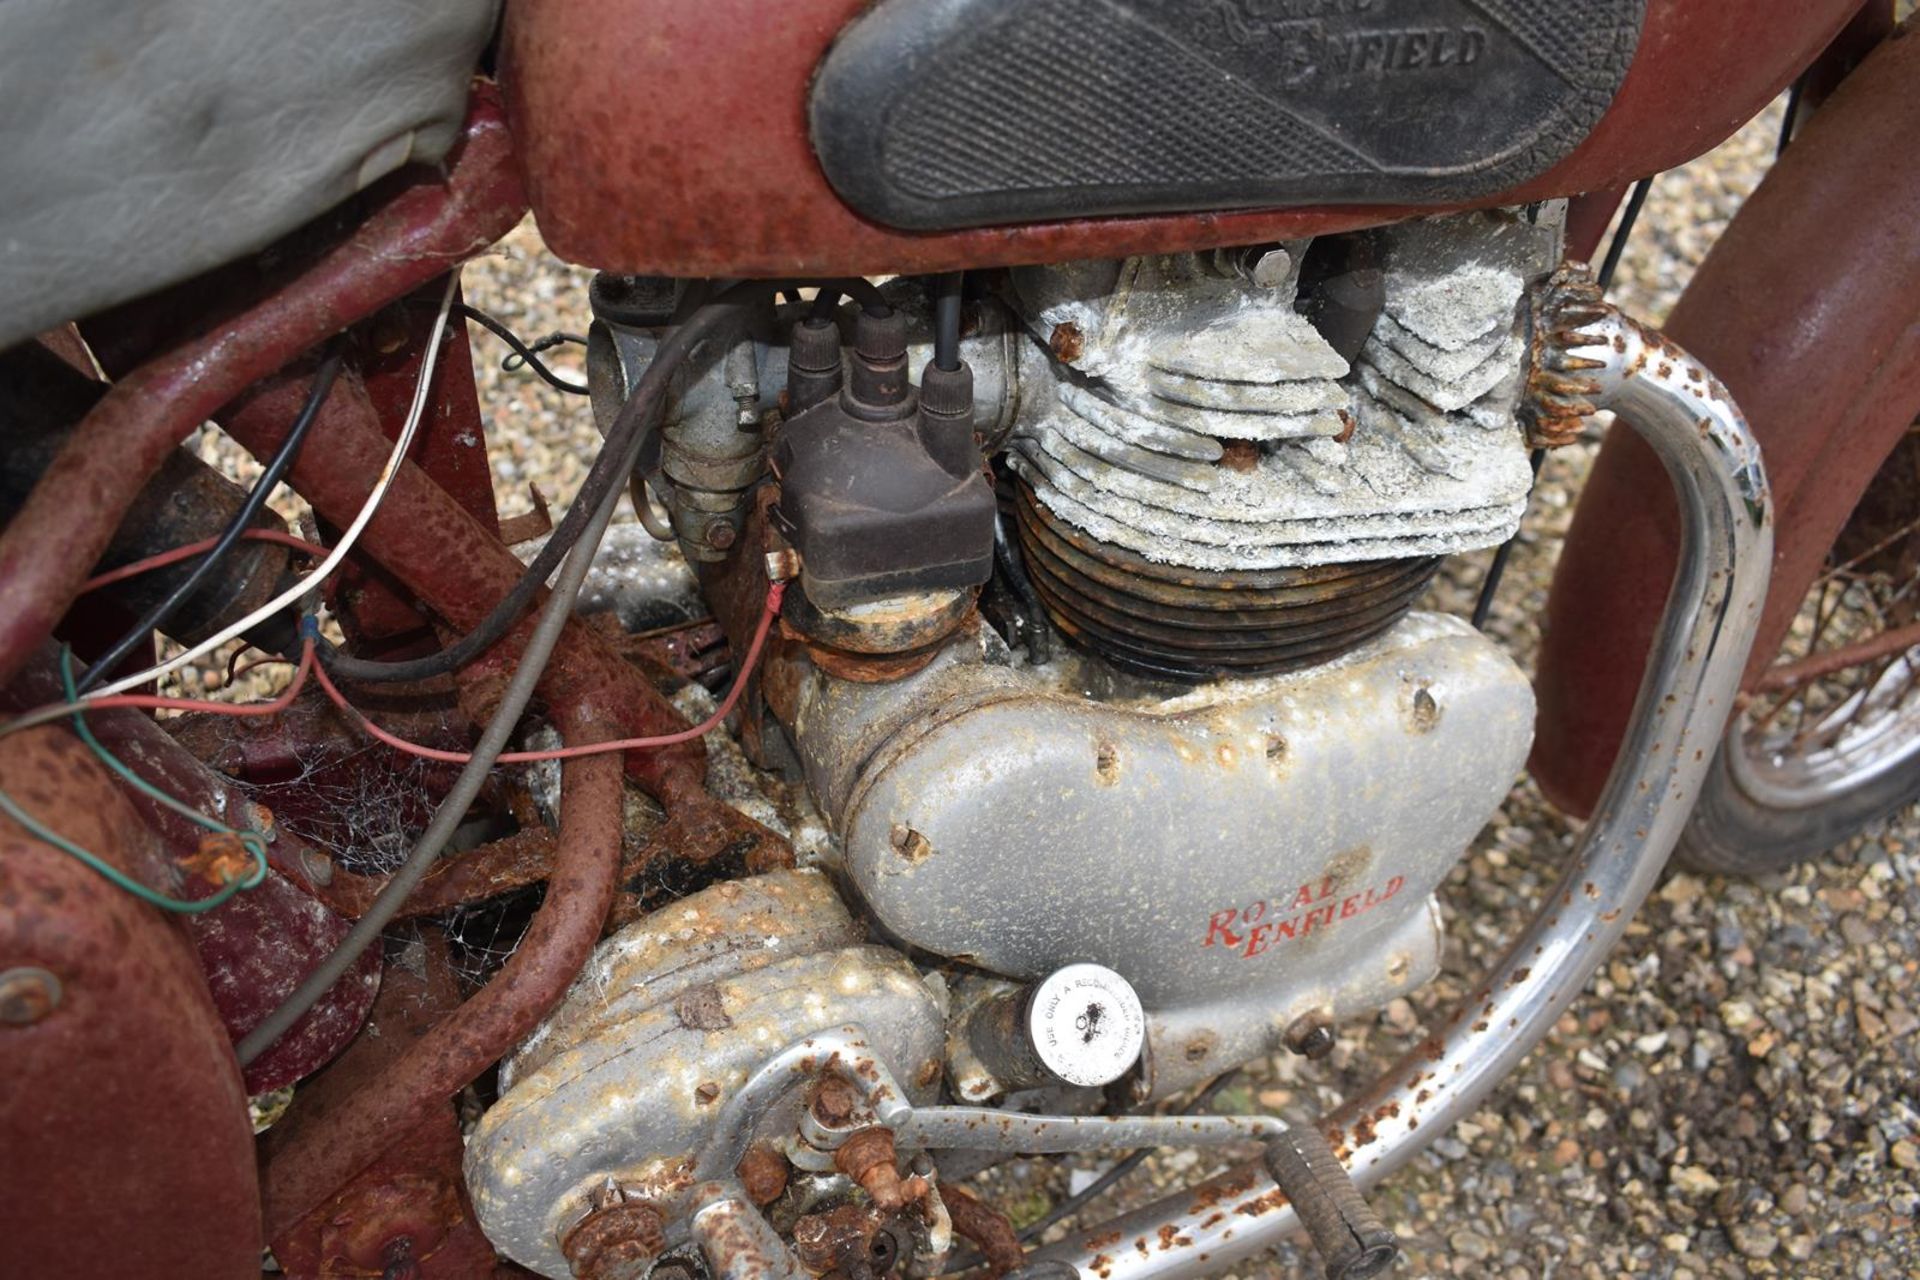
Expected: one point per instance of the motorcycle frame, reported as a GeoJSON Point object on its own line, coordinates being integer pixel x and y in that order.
{"type": "Point", "coordinates": [1834, 234]}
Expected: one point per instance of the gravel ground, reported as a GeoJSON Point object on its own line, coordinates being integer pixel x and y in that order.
{"type": "Point", "coordinates": [1734, 1095]}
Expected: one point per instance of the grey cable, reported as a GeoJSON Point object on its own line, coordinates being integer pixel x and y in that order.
{"type": "Point", "coordinates": [493, 739]}
{"type": "Point", "coordinates": [466, 788]}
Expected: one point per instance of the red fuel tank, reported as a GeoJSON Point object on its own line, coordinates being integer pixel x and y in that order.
{"type": "Point", "coordinates": [667, 138]}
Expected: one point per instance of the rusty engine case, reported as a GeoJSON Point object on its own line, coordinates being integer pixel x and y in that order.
{"type": "Point", "coordinates": [1244, 854]}
{"type": "Point", "coordinates": [666, 1022]}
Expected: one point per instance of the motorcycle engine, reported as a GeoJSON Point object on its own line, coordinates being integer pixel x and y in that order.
{"type": "Point", "coordinates": [1176, 792]}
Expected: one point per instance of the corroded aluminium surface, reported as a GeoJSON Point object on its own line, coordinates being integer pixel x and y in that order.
{"type": "Point", "coordinates": [1199, 419]}
{"type": "Point", "coordinates": [664, 1025]}
{"type": "Point", "coordinates": [1242, 854]}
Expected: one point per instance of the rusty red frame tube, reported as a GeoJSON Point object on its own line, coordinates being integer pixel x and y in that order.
{"type": "Point", "coordinates": [459, 569]}
{"type": "Point", "coordinates": [321, 1157]}
{"type": "Point", "coordinates": [1791, 674]}
{"type": "Point", "coordinates": [123, 1120]}
{"type": "Point", "coordinates": [453, 564]}
{"type": "Point", "coordinates": [58, 536]}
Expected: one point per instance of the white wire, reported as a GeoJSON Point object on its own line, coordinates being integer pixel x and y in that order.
{"type": "Point", "coordinates": [415, 413]}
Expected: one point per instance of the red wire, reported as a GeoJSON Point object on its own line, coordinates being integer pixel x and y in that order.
{"type": "Point", "coordinates": [308, 667]}
{"type": "Point", "coordinates": [191, 550]}
{"type": "Point", "coordinates": [235, 672]}
{"type": "Point", "coordinates": [152, 702]}
{"type": "Point", "coordinates": [712, 722]}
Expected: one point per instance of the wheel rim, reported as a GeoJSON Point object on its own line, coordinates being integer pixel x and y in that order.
{"type": "Point", "coordinates": [1812, 735]}
{"type": "Point", "coordinates": [1873, 731]}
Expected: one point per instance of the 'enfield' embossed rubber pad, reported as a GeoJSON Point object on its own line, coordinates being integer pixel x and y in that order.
{"type": "Point", "coordinates": [936, 114]}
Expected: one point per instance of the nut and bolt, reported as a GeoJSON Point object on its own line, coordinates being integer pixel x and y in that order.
{"type": "Point", "coordinates": [27, 994]}
{"type": "Point", "coordinates": [721, 535]}
{"type": "Point", "coordinates": [1311, 1035]}
{"type": "Point", "coordinates": [1066, 342]}
{"type": "Point", "coordinates": [868, 1157]}
{"type": "Point", "coordinates": [1272, 269]}
{"type": "Point", "coordinates": [834, 1102]}
{"type": "Point", "coordinates": [763, 1174]}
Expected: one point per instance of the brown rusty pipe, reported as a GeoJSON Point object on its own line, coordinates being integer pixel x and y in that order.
{"type": "Point", "coordinates": [48, 549]}
{"type": "Point", "coordinates": [315, 1161]}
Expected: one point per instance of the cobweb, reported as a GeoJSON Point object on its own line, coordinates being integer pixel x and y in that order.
{"type": "Point", "coordinates": [366, 808]}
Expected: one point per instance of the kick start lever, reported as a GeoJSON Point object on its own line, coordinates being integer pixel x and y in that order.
{"type": "Point", "coordinates": [1349, 1237]}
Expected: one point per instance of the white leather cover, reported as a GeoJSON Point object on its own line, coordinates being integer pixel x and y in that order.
{"type": "Point", "coordinates": [145, 141]}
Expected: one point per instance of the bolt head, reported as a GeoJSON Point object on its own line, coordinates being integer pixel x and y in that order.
{"type": "Point", "coordinates": [721, 536]}
{"type": "Point", "coordinates": [1066, 342]}
{"type": "Point", "coordinates": [616, 1241]}
{"type": "Point", "coordinates": [1272, 268]}
{"type": "Point", "coordinates": [1310, 1036]}
{"type": "Point", "coordinates": [27, 994]}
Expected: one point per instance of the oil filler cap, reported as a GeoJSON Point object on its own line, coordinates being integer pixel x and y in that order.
{"type": "Point", "coordinates": [1086, 1024]}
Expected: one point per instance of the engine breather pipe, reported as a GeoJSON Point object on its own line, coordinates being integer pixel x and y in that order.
{"type": "Point", "coordinates": [1587, 356]}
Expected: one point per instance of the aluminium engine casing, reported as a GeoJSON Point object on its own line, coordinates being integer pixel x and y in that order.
{"type": "Point", "coordinates": [627, 1078]}
{"type": "Point", "coordinates": [1244, 853]}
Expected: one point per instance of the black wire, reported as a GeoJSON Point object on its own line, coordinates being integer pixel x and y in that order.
{"type": "Point", "coordinates": [1611, 264]}
{"type": "Point", "coordinates": [624, 442]}
{"type": "Point", "coordinates": [1791, 114]}
{"type": "Point", "coordinates": [155, 618]}
{"type": "Point", "coordinates": [1106, 1181]}
{"type": "Point", "coordinates": [540, 346]}
{"type": "Point", "coordinates": [946, 321]}
{"type": "Point", "coordinates": [1012, 565]}
{"type": "Point", "coordinates": [1483, 606]}
{"type": "Point", "coordinates": [1495, 571]}
{"type": "Point", "coordinates": [528, 354]}
{"type": "Point", "coordinates": [826, 300]}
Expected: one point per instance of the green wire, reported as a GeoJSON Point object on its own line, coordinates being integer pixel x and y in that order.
{"type": "Point", "coordinates": [108, 870]}
{"type": "Point", "coordinates": [251, 840]}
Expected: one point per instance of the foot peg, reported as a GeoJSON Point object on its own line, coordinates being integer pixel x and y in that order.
{"type": "Point", "coordinates": [1350, 1238]}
